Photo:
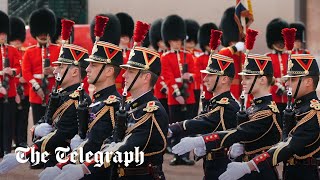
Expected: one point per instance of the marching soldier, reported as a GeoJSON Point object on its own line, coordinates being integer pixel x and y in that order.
{"type": "Point", "coordinates": [259, 132]}
{"type": "Point", "coordinates": [218, 115]}
{"type": "Point", "coordinates": [300, 38]}
{"type": "Point", "coordinates": [233, 47]}
{"type": "Point", "coordinates": [37, 61]}
{"type": "Point", "coordinates": [9, 68]}
{"type": "Point", "coordinates": [161, 88]}
{"type": "Point", "coordinates": [147, 121]}
{"type": "Point", "coordinates": [60, 123]}
{"type": "Point", "coordinates": [202, 58]}
{"type": "Point", "coordinates": [300, 150]}
{"type": "Point", "coordinates": [102, 72]}
{"type": "Point", "coordinates": [177, 71]}
{"type": "Point", "coordinates": [16, 39]}
{"type": "Point", "coordinates": [127, 26]}
{"type": "Point", "coordinates": [192, 28]}
{"type": "Point", "coordinates": [279, 59]}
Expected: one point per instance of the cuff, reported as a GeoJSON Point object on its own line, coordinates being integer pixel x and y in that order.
{"type": "Point", "coordinates": [176, 91]}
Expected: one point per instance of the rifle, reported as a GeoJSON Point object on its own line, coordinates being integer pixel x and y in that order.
{"type": "Point", "coordinates": [53, 104]}
{"type": "Point", "coordinates": [288, 116]}
{"type": "Point", "coordinates": [185, 82]}
{"type": "Point", "coordinates": [45, 82]}
{"type": "Point", "coordinates": [83, 113]}
{"type": "Point", "coordinates": [5, 80]}
{"type": "Point", "coordinates": [121, 123]}
{"type": "Point", "coordinates": [20, 90]}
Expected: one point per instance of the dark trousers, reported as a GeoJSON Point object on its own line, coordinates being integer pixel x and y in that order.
{"type": "Point", "coordinates": [176, 115]}
{"type": "Point", "coordinates": [21, 122]}
{"type": "Point", "coordinates": [164, 102]}
{"type": "Point", "coordinates": [37, 112]}
{"type": "Point", "coordinates": [214, 168]}
{"type": "Point", "coordinates": [298, 172]}
{"type": "Point", "coordinates": [7, 116]}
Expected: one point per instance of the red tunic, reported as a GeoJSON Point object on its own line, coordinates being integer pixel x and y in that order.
{"type": "Point", "coordinates": [120, 79]}
{"type": "Point", "coordinates": [172, 74]}
{"type": "Point", "coordinates": [14, 59]}
{"type": "Point", "coordinates": [201, 64]}
{"type": "Point", "coordinates": [32, 68]}
{"type": "Point", "coordinates": [158, 86]}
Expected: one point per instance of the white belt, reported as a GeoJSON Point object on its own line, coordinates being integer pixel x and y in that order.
{"type": "Point", "coordinates": [13, 69]}
{"type": "Point", "coordinates": [40, 76]}
{"type": "Point", "coordinates": [178, 80]}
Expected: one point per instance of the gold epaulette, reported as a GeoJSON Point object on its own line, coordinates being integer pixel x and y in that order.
{"type": "Point", "coordinates": [75, 94]}
{"type": "Point", "coordinates": [151, 106]}
{"type": "Point", "coordinates": [314, 104]}
{"type": "Point", "coordinates": [111, 99]}
{"type": "Point", "coordinates": [273, 106]}
{"type": "Point", "coordinates": [223, 101]}
{"type": "Point", "coordinates": [32, 46]}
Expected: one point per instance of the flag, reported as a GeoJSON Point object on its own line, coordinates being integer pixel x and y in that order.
{"type": "Point", "coordinates": [243, 15]}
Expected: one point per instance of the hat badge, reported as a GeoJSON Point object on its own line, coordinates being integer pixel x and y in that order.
{"type": "Point", "coordinates": [290, 64]}
{"type": "Point", "coordinates": [132, 53]}
{"type": "Point", "coordinates": [245, 64]}
{"type": "Point", "coordinates": [95, 49]}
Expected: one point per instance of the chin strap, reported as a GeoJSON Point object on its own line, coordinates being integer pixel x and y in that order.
{"type": "Point", "coordinates": [100, 72]}
{"type": "Point", "coordinates": [298, 87]}
{"type": "Point", "coordinates": [134, 80]}
{"type": "Point", "coordinates": [252, 85]}
{"type": "Point", "coordinates": [215, 84]}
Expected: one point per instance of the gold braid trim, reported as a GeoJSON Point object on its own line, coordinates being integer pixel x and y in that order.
{"type": "Point", "coordinates": [222, 119]}
{"type": "Point", "coordinates": [141, 120]}
{"type": "Point", "coordinates": [99, 115]}
{"type": "Point", "coordinates": [46, 140]}
{"type": "Point", "coordinates": [278, 148]}
{"type": "Point", "coordinates": [208, 113]}
{"type": "Point", "coordinates": [60, 111]}
{"type": "Point", "coordinates": [257, 150]}
{"type": "Point", "coordinates": [314, 141]}
{"type": "Point", "coordinates": [150, 132]}
{"type": "Point", "coordinates": [245, 142]}
{"type": "Point", "coordinates": [274, 118]}
{"type": "Point", "coordinates": [304, 120]}
{"type": "Point", "coordinates": [224, 138]}
{"type": "Point", "coordinates": [162, 136]}
{"type": "Point", "coordinates": [260, 115]}
{"type": "Point", "coordinates": [308, 155]}
{"type": "Point", "coordinates": [112, 117]}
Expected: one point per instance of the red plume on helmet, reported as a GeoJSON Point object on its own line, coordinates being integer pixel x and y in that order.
{"type": "Point", "coordinates": [140, 32]}
{"type": "Point", "coordinates": [66, 29]}
{"type": "Point", "coordinates": [250, 38]}
{"type": "Point", "coordinates": [215, 39]}
{"type": "Point", "coordinates": [289, 36]}
{"type": "Point", "coordinates": [101, 22]}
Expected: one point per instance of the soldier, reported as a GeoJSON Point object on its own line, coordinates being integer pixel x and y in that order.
{"type": "Point", "coordinates": [127, 26]}
{"type": "Point", "coordinates": [36, 68]}
{"type": "Point", "coordinates": [233, 47]}
{"type": "Point", "coordinates": [279, 59]}
{"type": "Point", "coordinates": [218, 115]}
{"type": "Point", "coordinates": [202, 59]}
{"type": "Point", "coordinates": [102, 74]}
{"type": "Point", "coordinates": [178, 71]}
{"type": "Point", "coordinates": [300, 38]}
{"type": "Point", "coordinates": [147, 122]}
{"type": "Point", "coordinates": [63, 117]}
{"type": "Point", "coordinates": [161, 88]}
{"type": "Point", "coordinates": [10, 67]}
{"type": "Point", "coordinates": [192, 28]}
{"type": "Point", "coordinates": [300, 150]}
{"type": "Point", "coordinates": [259, 132]}
{"type": "Point", "coordinates": [16, 39]}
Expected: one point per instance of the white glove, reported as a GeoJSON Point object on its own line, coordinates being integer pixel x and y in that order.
{"type": "Point", "coordinates": [200, 151]}
{"type": "Point", "coordinates": [75, 142]}
{"type": "Point", "coordinates": [50, 173]}
{"type": "Point", "coordinates": [71, 172]}
{"type": "Point", "coordinates": [8, 162]}
{"type": "Point", "coordinates": [187, 144]}
{"type": "Point", "coordinates": [235, 170]}
{"type": "Point", "coordinates": [239, 46]}
{"type": "Point", "coordinates": [43, 129]}
{"type": "Point", "coordinates": [236, 150]}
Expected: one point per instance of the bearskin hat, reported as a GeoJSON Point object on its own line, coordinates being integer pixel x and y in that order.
{"type": "Point", "coordinates": [173, 28]}
{"type": "Point", "coordinates": [127, 24]}
{"type": "Point", "coordinates": [273, 33]}
{"type": "Point", "coordinates": [146, 41]}
{"type": "Point", "coordinates": [155, 33]}
{"type": "Point", "coordinates": [42, 21]}
{"type": "Point", "coordinates": [204, 35]}
{"type": "Point", "coordinates": [17, 29]}
{"type": "Point", "coordinates": [301, 30]}
{"type": "Point", "coordinates": [4, 21]}
{"type": "Point", "coordinates": [112, 30]}
{"type": "Point", "coordinates": [192, 30]}
{"type": "Point", "coordinates": [229, 27]}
